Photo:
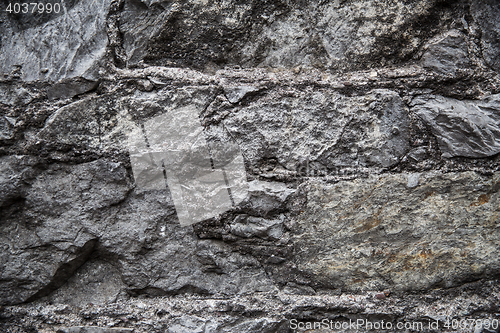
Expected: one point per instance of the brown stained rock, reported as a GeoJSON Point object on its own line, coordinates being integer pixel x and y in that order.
{"type": "Point", "coordinates": [377, 233]}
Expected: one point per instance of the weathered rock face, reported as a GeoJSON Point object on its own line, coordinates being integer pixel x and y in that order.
{"type": "Point", "coordinates": [448, 53]}
{"type": "Point", "coordinates": [400, 233]}
{"type": "Point", "coordinates": [333, 34]}
{"type": "Point", "coordinates": [55, 46]}
{"type": "Point", "coordinates": [155, 255]}
{"type": "Point", "coordinates": [485, 14]}
{"type": "Point", "coordinates": [462, 128]}
{"type": "Point", "coordinates": [320, 126]}
{"type": "Point", "coordinates": [55, 241]}
{"type": "Point", "coordinates": [369, 137]}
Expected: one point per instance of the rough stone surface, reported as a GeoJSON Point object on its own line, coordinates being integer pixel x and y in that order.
{"type": "Point", "coordinates": [244, 314]}
{"type": "Point", "coordinates": [448, 53]}
{"type": "Point", "coordinates": [94, 329]}
{"type": "Point", "coordinates": [379, 233]}
{"type": "Point", "coordinates": [369, 135]}
{"type": "Point", "coordinates": [54, 46]}
{"type": "Point", "coordinates": [51, 241]}
{"type": "Point", "coordinates": [15, 171]}
{"type": "Point", "coordinates": [485, 14]}
{"type": "Point", "coordinates": [329, 130]}
{"type": "Point", "coordinates": [327, 35]}
{"type": "Point", "coordinates": [462, 128]}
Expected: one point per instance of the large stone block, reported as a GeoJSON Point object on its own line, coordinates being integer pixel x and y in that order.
{"type": "Point", "coordinates": [55, 46]}
{"type": "Point", "coordinates": [462, 128]}
{"type": "Point", "coordinates": [386, 233]}
{"type": "Point", "coordinates": [59, 231]}
{"type": "Point", "coordinates": [327, 35]}
{"type": "Point", "coordinates": [321, 128]}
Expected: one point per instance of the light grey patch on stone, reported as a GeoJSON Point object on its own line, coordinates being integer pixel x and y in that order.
{"type": "Point", "coordinates": [187, 324]}
{"type": "Point", "coordinates": [103, 123]}
{"type": "Point", "coordinates": [159, 258]}
{"type": "Point", "coordinates": [145, 85]}
{"type": "Point", "coordinates": [11, 94]}
{"type": "Point", "coordinates": [462, 128]}
{"type": "Point", "coordinates": [211, 326]}
{"type": "Point", "coordinates": [250, 226]}
{"type": "Point", "coordinates": [413, 179]}
{"type": "Point", "coordinates": [6, 131]}
{"type": "Point", "coordinates": [78, 124]}
{"type": "Point", "coordinates": [94, 329]}
{"type": "Point", "coordinates": [70, 45]}
{"type": "Point", "coordinates": [11, 120]}
{"type": "Point", "coordinates": [70, 88]}
{"type": "Point", "coordinates": [95, 185]}
{"type": "Point", "coordinates": [311, 35]}
{"type": "Point", "coordinates": [274, 260]}
{"type": "Point", "coordinates": [96, 282]}
{"type": "Point", "coordinates": [67, 210]}
{"type": "Point", "coordinates": [446, 53]}
{"type": "Point", "coordinates": [327, 35]}
{"type": "Point", "coordinates": [297, 289]}
{"type": "Point", "coordinates": [156, 81]}
{"type": "Point", "coordinates": [236, 94]}
{"type": "Point", "coordinates": [417, 154]}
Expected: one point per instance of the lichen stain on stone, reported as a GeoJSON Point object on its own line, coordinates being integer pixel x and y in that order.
{"type": "Point", "coordinates": [483, 198]}
{"type": "Point", "coordinates": [368, 224]}
{"type": "Point", "coordinates": [424, 254]}
{"type": "Point", "coordinates": [428, 194]}
{"type": "Point", "coordinates": [421, 260]}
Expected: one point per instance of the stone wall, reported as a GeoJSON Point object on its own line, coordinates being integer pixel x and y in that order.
{"type": "Point", "coordinates": [370, 135]}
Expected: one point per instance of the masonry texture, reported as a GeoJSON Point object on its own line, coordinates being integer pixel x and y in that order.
{"type": "Point", "coordinates": [370, 134]}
